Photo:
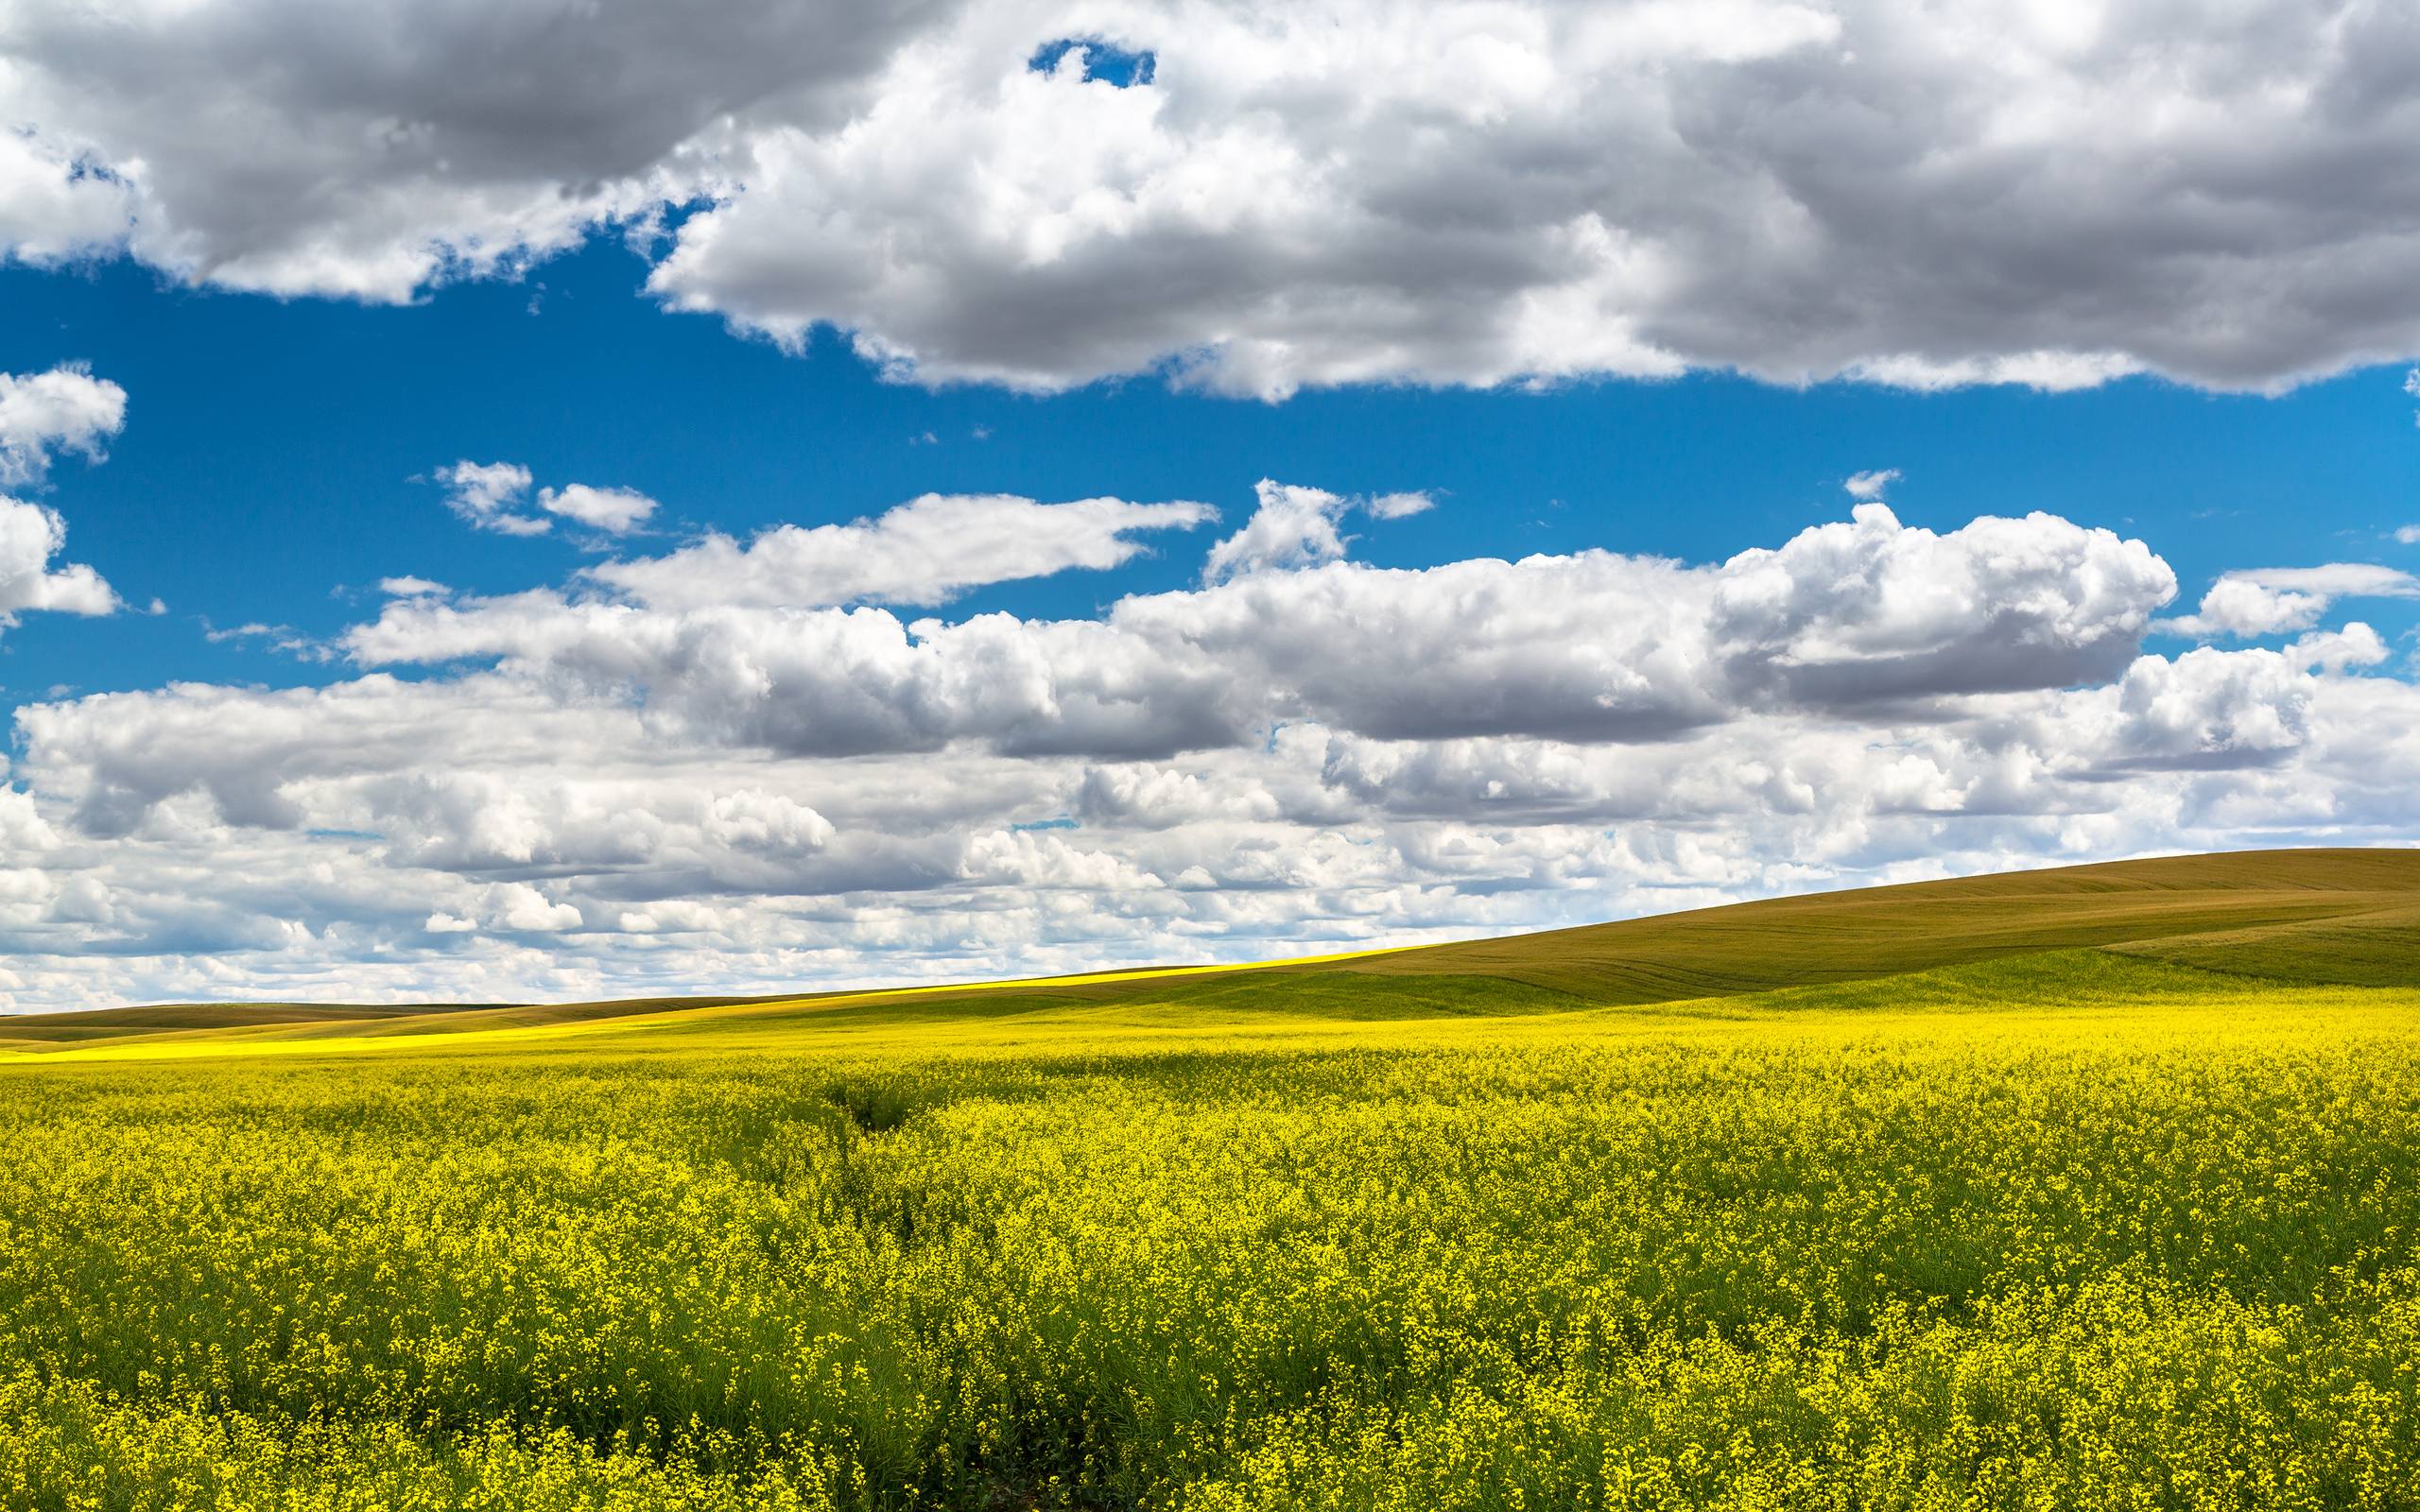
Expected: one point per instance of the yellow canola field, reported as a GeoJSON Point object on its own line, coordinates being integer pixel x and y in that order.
{"type": "Point", "coordinates": [2070, 1232]}
{"type": "Point", "coordinates": [423, 1032]}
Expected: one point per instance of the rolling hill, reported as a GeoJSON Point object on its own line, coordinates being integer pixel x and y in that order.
{"type": "Point", "coordinates": [2342, 916]}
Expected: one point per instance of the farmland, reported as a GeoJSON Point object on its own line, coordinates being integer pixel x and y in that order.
{"type": "Point", "coordinates": [2087, 1188]}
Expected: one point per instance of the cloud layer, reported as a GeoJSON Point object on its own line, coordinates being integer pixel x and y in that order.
{"type": "Point", "coordinates": [1480, 192]}
{"type": "Point", "coordinates": [629, 783]}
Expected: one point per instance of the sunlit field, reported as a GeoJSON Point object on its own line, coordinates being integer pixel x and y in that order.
{"type": "Point", "coordinates": [2063, 1228]}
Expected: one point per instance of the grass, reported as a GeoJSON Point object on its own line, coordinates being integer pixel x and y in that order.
{"type": "Point", "coordinates": [2123, 1218]}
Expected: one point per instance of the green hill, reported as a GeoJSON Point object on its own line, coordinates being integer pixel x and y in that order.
{"type": "Point", "coordinates": [2311, 916]}
{"type": "Point", "coordinates": [2321, 916]}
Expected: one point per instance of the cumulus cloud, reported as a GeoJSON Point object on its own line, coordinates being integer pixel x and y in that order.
{"type": "Point", "coordinates": [2407, 535]}
{"type": "Point", "coordinates": [511, 908]}
{"type": "Point", "coordinates": [2282, 600]}
{"type": "Point", "coordinates": [1291, 527]}
{"type": "Point", "coordinates": [1870, 609]}
{"type": "Point", "coordinates": [2211, 708]}
{"type": "Point", "coordinates": [1590, 646]}
{"type": "Point", "coordinates": [2355, 646]}
{"type": "Point", "coordinates": [44, 414]}
{"type": "Point", "coordinates": [30, 536]}
{"type": "Point", "coordinates": [260, 145]}
{"type": "Point", "coordinates": [1342, 192]}
{"type": "Point", "coordinates": [1529, 193]}
{"type": "Point", "coordinates": [1294, 527]}
{"type": "Point", "coordinates": [833, 681]}
{"type": "Point", "coordinates": [926, 551]}
{"type": "Point", "coordinates": [54, 204]}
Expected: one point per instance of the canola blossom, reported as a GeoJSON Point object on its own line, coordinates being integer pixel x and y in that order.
{"type": "Point", "coordinates": [2083, 1232]}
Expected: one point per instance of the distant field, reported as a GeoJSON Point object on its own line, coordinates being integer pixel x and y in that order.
{"type": "Point", "coordinates": [2342, 916]}
{"type": "Point", "coordinates": [2093, 1188]}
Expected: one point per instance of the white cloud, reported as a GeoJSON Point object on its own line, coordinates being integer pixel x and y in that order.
{"type": "Point", "coordinates": [2058, 371]}
{"type": "Point", "coordinates": [261, 146]}
{"type": "Point", "coordinates": [409, 587]}
{"type": "Point", "coordinates": [2212, 708]}
{"type": "Point", "coordinates": [2239, 606]}
{"type": "Point", "coordinates": [1871, 485]}
{"type": "Point", "coordinates": [1483, 194]}
{"type": "Point", "coordinates": [1592, 647]}
{"type": "Point", "coordinates": [496, 496]}
{"type": "Point", "coordinates": [1294, 527]}
{"type": "Point", "coordinates": [614, 511]}
{"type": "Point", "coordinates": [926, 551]}
{"type": "Point", "coordinates": [1346, 191]}
{"type": "Point", "coordinates": [520, 907]}
{"type": "Point", "coordinates": [1871, 609]}
{"type": "Point", "coordinates": [2282, 600]}
{"type": "Point", "coordinates": [1589, 647]}
{"type": "Point", "coordinates": [490, 495]}
{"type": "Point", "coordinates": [766, 823]}
{"type": "Point", "coordinates": [285, 635]}
{"type": "Point", "coordinates": [53, 206]}
{"type": "Point", "coordinates": [513, 907]}
{"type": "Point", "coordinates": [1398, 506]}
{"type": "Point", "coordinates": [1291, 527]}
{"type": "Point", "coordinates": [2355, 646]}
{"type": "Point", "coordinates": [43, 414]}
{"type": "Point", "coordinates": [30, 536]}
{"type": "Point", "coordinates": [2409, 535]}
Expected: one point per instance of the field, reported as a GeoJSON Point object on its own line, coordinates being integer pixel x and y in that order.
{"type": "Point", "coordinates": [2096, 1188]}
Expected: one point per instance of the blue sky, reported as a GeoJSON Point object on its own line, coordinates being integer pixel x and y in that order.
{"type": "Point", "coordinates": [641, 505]}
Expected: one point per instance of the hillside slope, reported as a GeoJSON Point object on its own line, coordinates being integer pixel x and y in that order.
{"type": "Point", "coordinates": [2332, 916]}
{"type": "Point", "coordinates": [2348, 916]}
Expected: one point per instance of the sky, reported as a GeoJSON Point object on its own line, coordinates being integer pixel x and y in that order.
{"type": "Point", "coordinates": [536, 500]}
